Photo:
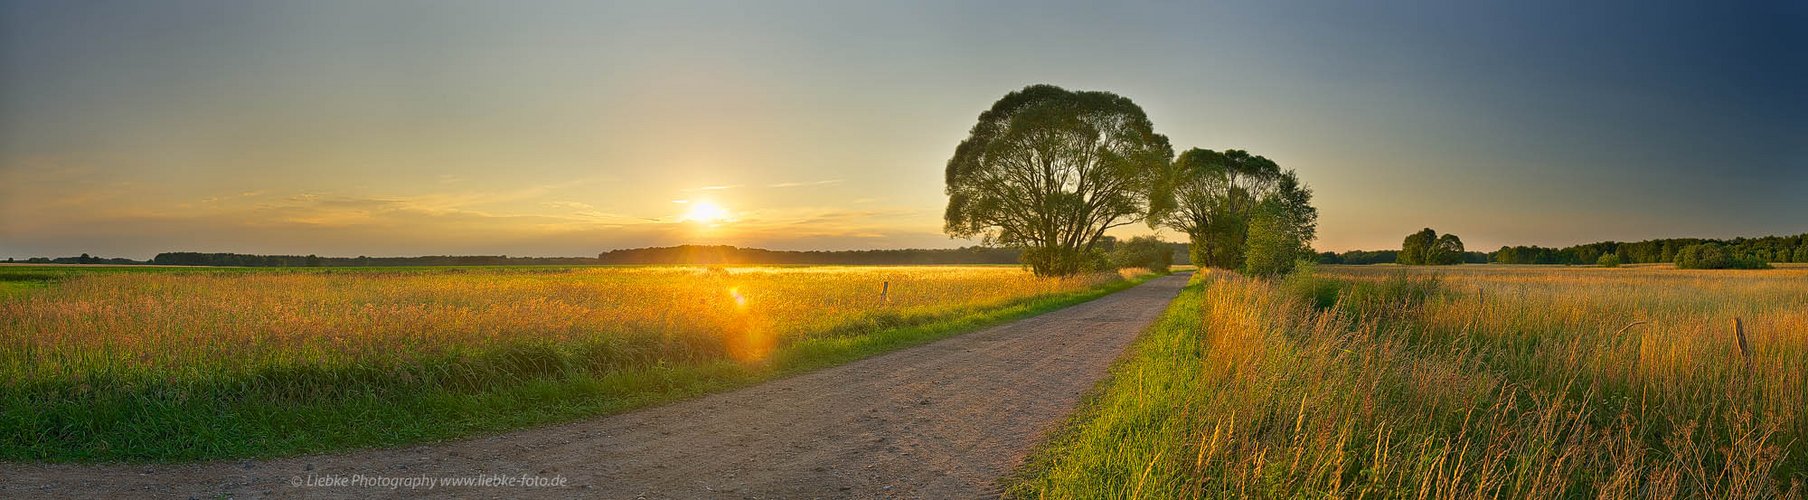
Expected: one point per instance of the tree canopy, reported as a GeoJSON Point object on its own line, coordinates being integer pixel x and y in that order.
{"type": "Point", "coordinates": [1427, 248]}
{"type": "Point", "coordinates": [1281, 229]}
{"type": "Point", "coordinates": [1791, 248]}
{"type": "Point", "coordinates": [1050, 170]}
{"type": "Point", "coordinates": [1416, 249]}
{"type": "Point", "coordinates": [1448, 250]}
{"type": "Point", "coordinates": [1216, 196]}
{"type": "Point", "coordinates": [1715, 256]}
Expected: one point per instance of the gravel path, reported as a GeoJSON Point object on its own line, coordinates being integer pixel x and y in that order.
{"type": "Point", "coordinates": [942, 420]}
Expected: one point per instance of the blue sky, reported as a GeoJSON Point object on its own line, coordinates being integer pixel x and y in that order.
{"type": "Point", "coordinates": [548, 128]}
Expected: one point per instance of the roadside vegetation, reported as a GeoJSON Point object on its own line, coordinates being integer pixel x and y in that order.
{"type": "Point", "coordinates": [1483, 381]}
{"type": "Point", "coordinates": [184, 364]}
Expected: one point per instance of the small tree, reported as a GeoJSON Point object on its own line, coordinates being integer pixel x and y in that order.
{"type": "Point", "coordinates": [1273, 248]}
{"type": "Point", "coordinates": [1050, 170]}
{"type": "Point", "coordinates": [1608, 260]}
{"type": "Point", "coordinates": [1281, 230]}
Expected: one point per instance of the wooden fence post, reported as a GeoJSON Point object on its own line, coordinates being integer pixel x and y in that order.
{"type": "Point", "coordinates": [1744, 347]}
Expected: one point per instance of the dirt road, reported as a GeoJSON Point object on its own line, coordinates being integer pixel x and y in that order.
{"type": "Point", "coordinates": [943, 420]}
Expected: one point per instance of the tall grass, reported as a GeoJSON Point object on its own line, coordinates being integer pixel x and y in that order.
{"type": "Point", "coordinates": [164, 366]}
{"type": "Point", "coordinates": [1476, 382]}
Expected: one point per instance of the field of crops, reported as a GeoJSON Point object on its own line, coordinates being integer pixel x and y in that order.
{"type": "Point", "coordinates": [1466, 381]}
{"type": "Point", "coordinates": [176, 364]}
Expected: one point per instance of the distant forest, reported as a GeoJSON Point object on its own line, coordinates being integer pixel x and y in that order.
{"type": "Point", "coordinates": [679, 255]}
{"type": "Point", "coordinates": [1776, 249]}
{"type": "Point", "coordinates": [722, 254]}
{"type": "Point", "coordinates": [1767, 249]}
{"type": "Point", "coordinates": [1387, 257]}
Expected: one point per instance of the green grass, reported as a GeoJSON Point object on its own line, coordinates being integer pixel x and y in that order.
{"type": "Point", "coordinates": [312, 409]}
{"type": "Point", "coordinates": [1128, 422]}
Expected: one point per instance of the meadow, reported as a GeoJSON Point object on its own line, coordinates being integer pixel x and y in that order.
{"type": "Point", "coordinates": [1453, 382]}
{"type": "Point", "coordinates": [165, 364]}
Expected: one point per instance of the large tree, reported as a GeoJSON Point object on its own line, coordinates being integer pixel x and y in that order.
{"type": "Point", "coordinates": [1427, 248]}
{"type": "Point", "coordinates": [1448, 250]}
{"type": "Point", "coordinates": [1417, 248]}
{"type": "Point", "coordinates": [1050, 170]}
{"type": "Point", "coordinates": [1214, 196]}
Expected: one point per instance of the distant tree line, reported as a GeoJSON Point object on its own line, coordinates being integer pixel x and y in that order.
{"type": "Point", "coordinates": [1714, 256]}
{"type": "Point", "coordinates": [678, 255]}
{"type": "Point", "coordinates": [1707, 253]}
{"type": "Point", "coordinates": [723, 254]}
{"type": "Point", "coordinates": [1359, 257]}
{"type": "Point", "coordinates": [83, 259]}
{"type": "Point", "coordinates": [1765, 249]}
{"type": "Point", "coordinates": [1141, 250]}
{"type": "Point", "coordinates": [249, 260]}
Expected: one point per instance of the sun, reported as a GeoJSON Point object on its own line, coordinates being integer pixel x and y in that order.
{"type": "Point", "coordinates": [704, 212]}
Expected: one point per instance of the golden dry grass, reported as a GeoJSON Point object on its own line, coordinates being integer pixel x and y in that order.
{"type": "Point", "coordinates": [164, 324]}
{"type": "Point", "coordinates": [217, 364]}
{"type": "Point", "coordinates": [1461, 382]}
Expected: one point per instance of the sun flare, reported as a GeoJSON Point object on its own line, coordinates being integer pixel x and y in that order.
{"type": "Point", "coordinates": [705, 213]}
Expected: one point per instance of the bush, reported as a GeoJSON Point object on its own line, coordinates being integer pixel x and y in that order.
{"type": "Point", "coordinates": [1609, 260]}
{"type": "Point", "coordinates": [1304, 282]}
{"type": "Point", "coordinates": [1145, 252]}
{"type": "Point", "coordinates": [1059, 261]}
{"type": "Point", "coordinates": [1714, 256]}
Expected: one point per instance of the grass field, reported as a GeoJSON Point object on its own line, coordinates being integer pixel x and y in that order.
{"type": "Point", "coordinates": [176, 364]}
{"type": "Point", "coordinates": [1459, 382]}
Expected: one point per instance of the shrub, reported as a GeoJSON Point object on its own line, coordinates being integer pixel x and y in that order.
{"type": "Point", "coordinates": [1609, 260]}
{"type": "Point", "coordinates": [1146, 252]}
{"type": "Point", "coordinates": [1304, 282]}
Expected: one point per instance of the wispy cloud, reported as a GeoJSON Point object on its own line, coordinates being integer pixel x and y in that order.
{"type": "Point", "coordinates": [69, 210]}
{"type": "Point", "coordinates": [802, 184]}
{"type": "Point", "coordinates": [568, 205]}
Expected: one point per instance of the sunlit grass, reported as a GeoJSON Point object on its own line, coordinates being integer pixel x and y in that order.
{"type": "Point", "coordinates": [1440, 383]}
{"type": "Point", "coordinates": [174, 365]}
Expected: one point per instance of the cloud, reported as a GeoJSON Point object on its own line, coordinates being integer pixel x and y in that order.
{"type": "Point", "coordinates": [70, 210]}
{"type": "Point", "coordinates": [568, 205]}
{"type": "Point", "coordinates": [802, 184]}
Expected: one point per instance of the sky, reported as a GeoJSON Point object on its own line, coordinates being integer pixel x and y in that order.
{"type": "Point", "coordinates": [386, 128]}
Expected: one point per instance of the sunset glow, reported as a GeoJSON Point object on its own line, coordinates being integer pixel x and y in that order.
{"type": "Point", "coordinates": [704, 212]}
{"type": "Point", "coordinates": [568, 129]}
